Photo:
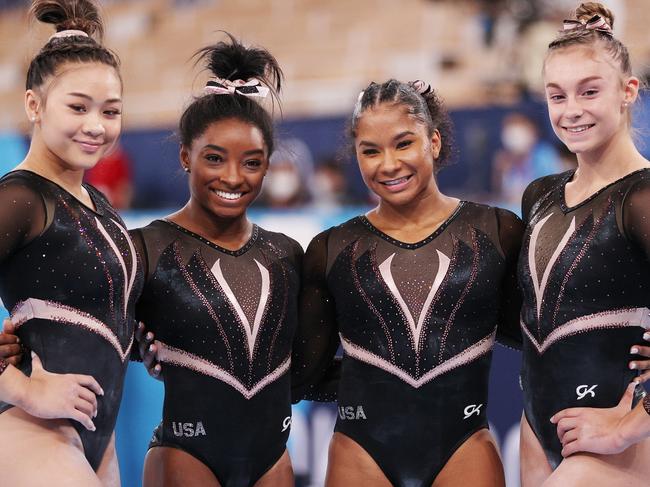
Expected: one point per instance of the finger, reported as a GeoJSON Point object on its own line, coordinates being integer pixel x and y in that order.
{"type": "Point", "coordinates": [643, 377]}
{"type": "Point", "coordinates": [640, 350]}
{"type": "Point", "coordinates": [88, 396]}
{"type": "Point", "coordinates": [8, 327]}
{"type": "Point", "coordinates": [8, 338]}
{"type": "Point", "coordinates": [149, 357]}
{"type": "Point", "coordinates": [570, 436]}
{"type": "Point", "coordinates": [85, 407]}
{"type": "Point", "coordinates": [36, 362]}
{"type": "Point", "coordinates": [15, 360]}
{"type": "Point", "coordinates": [139, 331]}
{"type": "Point", "coordinates": [566, 413]}
{"type": "Point", "coordinates": [83, 419]}
{"type": "Point", "coordinates": [8, 351]}
{"type": "Point", "coordinates": [628, 396]}
{"type": "Point", "coordinates": [564, 425]}
{"type": "Point", "coordinates": [89, 382]}
{"type": "Point", "coordinates": [570, 448]}
{"type": "Point", "coordinates": [155, 371]}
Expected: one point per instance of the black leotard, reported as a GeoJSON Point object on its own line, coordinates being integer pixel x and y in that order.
{"type": "Point", "coordinates": [585, 278]}
{"type": "Point", "coordinates": [225, 321]}
{"type": "Point", "coordinates": [417, 323]}
{"type": "Point", "coordinates": [70, 277]}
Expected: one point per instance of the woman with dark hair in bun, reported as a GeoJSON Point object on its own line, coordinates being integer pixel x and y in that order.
{"type": "Point", "coordinates": [416, 291]}
{"type": "Point", "coordinates": [585, 272]}
{"type": "Point", "coordinates": [68, 269]}
{"type": "Point", "coordinates": [220, 293]}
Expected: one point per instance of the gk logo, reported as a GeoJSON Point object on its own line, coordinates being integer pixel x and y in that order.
{"type": "Point", "coordinates": [286, 423]}
{"type": "Point", "coordinates": [583, 390]}
{"type": "Point", "coordinates": [472, 409]}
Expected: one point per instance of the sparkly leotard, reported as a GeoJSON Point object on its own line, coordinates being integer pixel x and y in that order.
{"type": "Point", "coordinates": [585, 277]}
{"type": "Point", "coordinates": [70, 277]}
{"type": "Point", "coordinates": [417, 323]}
{"type": "Point", "coordinates": [224, 321]}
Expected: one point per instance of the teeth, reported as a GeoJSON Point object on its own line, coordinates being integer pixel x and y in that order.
{"type": "Point", "coordinates": [394, 182]}
{"type": "Point", "coordinates": [575, 130]}
{"type": "Point", "coordinates": [228, 196]}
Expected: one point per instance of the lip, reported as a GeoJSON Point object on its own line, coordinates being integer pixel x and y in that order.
{"type": "Point", "coordinates": [396, 185]}
{"type": "Point", "coordinates": [89, 147]}
{"type": "Point", "coordinates": [575, 129]}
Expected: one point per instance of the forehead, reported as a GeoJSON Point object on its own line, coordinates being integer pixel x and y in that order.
{"type": "Point", "coordinates": [97, 80]}
{"type": "Point", "coordinates": [573, 64]}
{"type": "Point", "coordinates": [386, 119]}
{"type": "Point", "coordinates": [231, 132]}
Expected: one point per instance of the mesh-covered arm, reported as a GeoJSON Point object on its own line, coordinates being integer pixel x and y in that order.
{"type": "Point", "coordinates": [511, 230]}
{"type": "Point", "coordinates": [636, 215]}
{"type": "Point", "coordinates": [314, 370]}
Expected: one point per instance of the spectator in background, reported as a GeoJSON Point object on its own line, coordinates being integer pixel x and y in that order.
{"type": "Point", "coordinates": [330, 186]}
{"type": "Point", "coordinates": [523, 158]}
{"type": "Point", "coordinates": [289, 179]}
{"type": "Point", "coordinates": [112, 176]}
{"type": "Point", "coordinates": [13, 148]}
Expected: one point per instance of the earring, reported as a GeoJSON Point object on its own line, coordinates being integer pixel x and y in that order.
{"type": "Point", "coordinates": [626, 104]}
{"type": "Point", "coordinates": [186, 169]}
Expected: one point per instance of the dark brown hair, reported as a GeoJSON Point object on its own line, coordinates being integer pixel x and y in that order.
{"type": "Point", "coordinates": [80, 15]}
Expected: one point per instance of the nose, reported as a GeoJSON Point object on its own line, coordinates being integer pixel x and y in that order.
{"type": "Point", "coordinates": [93, 126]}
{"type": "Point", "coordinates": [232, 175]}
{"type": "Point", "coordinates": [390, 163]}
{"type": "Point", "coordinates": [573, 108]}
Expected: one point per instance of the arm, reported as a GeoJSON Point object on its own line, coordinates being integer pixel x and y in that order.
{"type": "Point", "coordinates": [511, 230]}
{"type": "Point", "coordinates": [314, 372]}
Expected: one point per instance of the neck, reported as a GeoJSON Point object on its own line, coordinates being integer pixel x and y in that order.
{"type": "Point", "coordinates": [41, 160]}
{"type": "Point", "coordinates": [231, 232]}
{"type": "Point", "coordinates": [420, 212]}
{"type": "Point", "coordinates": [611, 161]}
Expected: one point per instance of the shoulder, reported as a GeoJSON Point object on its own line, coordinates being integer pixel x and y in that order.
{"type": "Point", "coordinates": [282, 242]}
{"type": "Point", "coordinates": [540, 189]}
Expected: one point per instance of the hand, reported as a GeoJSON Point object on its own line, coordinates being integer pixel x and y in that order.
{"type": "Point", "coordinates": [148, 349]}
{"type": "Point", "coordinates": [595, 430]}
{"type": "Point", "coordinates": [10, 348]}
{"type": "Point", "coordinates": [641, 364]}
{"type": "Point", "coordinates": [50, 396]}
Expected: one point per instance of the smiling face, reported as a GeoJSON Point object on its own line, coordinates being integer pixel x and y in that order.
{"type": "Point", "coordinates": [79, 118]}
{"type": "Point", "coordinates": [396, 155]}
{"type": "Point", "coordinates": [227, 164]}
{"type": "Point", "coordinates": [587, 96]}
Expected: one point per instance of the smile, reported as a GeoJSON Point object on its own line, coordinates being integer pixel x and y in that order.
{"type": "Point", "coordinates": [227, 195]}
{"type": "Point", "coordinates": [579, 129]}
{"type": "Point", "coordinates": [89, 147]}
{"type": "Point", "coordinates": [396, 182]}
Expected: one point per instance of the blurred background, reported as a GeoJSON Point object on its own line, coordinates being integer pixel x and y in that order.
{"type": "Point", "coordinates": [483, 56]}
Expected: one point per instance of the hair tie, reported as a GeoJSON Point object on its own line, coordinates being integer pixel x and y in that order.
{"type": "Point", "coordinates": [421, 87]}
{"type": "Point", "coordinates": [68, 33]}
{"type": "Point", "coordinates": [252, 87]}
{"type": "Point", "coordinates": [595, 23]}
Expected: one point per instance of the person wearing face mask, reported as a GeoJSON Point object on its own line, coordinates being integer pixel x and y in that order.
{"type": "Point", "coordinates": [290, 175]}
{"type": "Point", "coordinates": [68, 270]}
{"type": "Point", "coordinates": [523, 157]}
{"type": "Point", "coordinates": [415, 291]}
{"type": "Point", "coordinates": [585, 272]}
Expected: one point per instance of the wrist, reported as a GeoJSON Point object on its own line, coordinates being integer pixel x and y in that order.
{"type": "Point", "coordinates": [14, 385]}
{"type": "Point", "coordinates": [633, 427]}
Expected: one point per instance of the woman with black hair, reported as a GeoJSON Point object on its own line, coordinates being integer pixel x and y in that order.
{"type": "Point", "coordinates": [220, 293]}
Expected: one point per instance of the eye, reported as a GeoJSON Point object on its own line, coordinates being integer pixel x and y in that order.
{"type": "Point", "coordinates": [253, 163]}
{"type": "Point", "coordinates": [403, 144]}
{"type": "Point", "coordinates": [590, 92]}
{"type": "Point", "coordinates": [216, 158]}
{"type": "Point", "coordinates": [113, 112]}
{"type": "Point", "coordinates": [77, 108]}
{"type": "Point", "coordinates": [370, 152]}
{"type": "Point", "coordinates": [556, 98]}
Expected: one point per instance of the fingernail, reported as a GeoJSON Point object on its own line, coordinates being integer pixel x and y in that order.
{"type": "Point", "coordinates": [33, 354]}
{"type": "Point", "coordinates": [149, 336]}
{"type": "Point", "coordinates": [151, 348]}
{"type": "Point", "coordinates": [101, 391]}
{"type": "Point", "coordinates": [552, 419]}
{"type": "Point", "coordinates": [17, 340]}
{"type": "Point", "coordinates": [632, 365]}
{"type": "Point", "coordinates": [646, 336]}
{"type": "Point", "coordinates": [93, 428]}
{"type": "Point", "coordinates": [634, 350]}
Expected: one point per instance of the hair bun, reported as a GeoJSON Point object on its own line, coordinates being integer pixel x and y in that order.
{"type": "Point", "coordinates": [80, 15]}
{"type": "Point", "coordinates": [588, 9]}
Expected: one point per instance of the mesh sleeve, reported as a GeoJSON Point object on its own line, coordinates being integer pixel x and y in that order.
{"type": "Point", "coordinates": [636, 215]}
{"type": "Point", "coordinates": [511, 230]}
{"type": "Point", "coordinates": [22, 215]}
{"type": "Point", "coordinates": [315, 372]}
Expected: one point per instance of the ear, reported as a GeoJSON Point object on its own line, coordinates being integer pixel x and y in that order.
{"type": "Point", "coordinates": [436, 144]}
{"type": "Point", "coordinates": [631, 89]}
{"type": "Point", "coordinates": [33, 106]}
{"type": "Point", "coordinates": [184, 156]}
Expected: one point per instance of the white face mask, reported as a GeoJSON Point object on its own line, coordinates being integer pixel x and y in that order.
{"type": "Point", "coordinates": [518, 138]}
{"type": "Point", "coordinates": [282, 184]}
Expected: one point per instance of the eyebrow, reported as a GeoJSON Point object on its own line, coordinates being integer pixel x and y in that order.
{"type": "Point", "coordinates": [397, 137]}
{"type": "Point", "coordinates": [224, 150]}
{"type": "Point", "coordinates": [581, 82]}
{"type": "Point", "coordinates": [89, 98]}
